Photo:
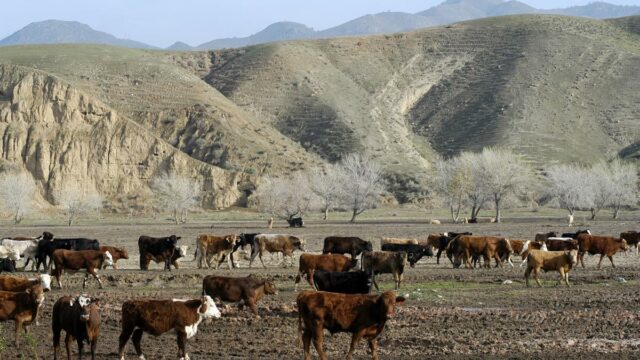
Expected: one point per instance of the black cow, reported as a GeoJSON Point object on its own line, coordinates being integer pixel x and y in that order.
{"type": "Point", "coordinates": [295, 222]}
{"type": "Point", "coordinates": [47, 247]}
{"type": "Point", "coordinates": [354, 282]}
{"type": "Point", "coordinates": [157, 249]}
{"type": "Point", "coordinates": [7, 265]}
{"type": "Point", "coordinates": [346, 245]}
{"type": "Point", "coordinates": [414, 252]}
{"type": "Point", "coordinates": [444, 241]}
{"type": "Point", "coordinates": [574, 235]}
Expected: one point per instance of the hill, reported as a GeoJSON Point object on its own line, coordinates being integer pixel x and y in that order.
{"type": "Point", "coordinates": [275, 32]}
{"type": "Point", "coordinates": [554, 88]}
{"type": "Point", "coordinates": [66, 32]}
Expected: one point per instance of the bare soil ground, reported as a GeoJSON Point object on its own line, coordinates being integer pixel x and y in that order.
{"type": "Point", "coordinates": [450, 312]}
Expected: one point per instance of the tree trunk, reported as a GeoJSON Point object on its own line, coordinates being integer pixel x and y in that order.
{"type": "Point", "coordinates": [616, 212]}
{"type": "Point", "coordinates": [17, 219]}
{"type": "Point", "coordinates": [594, 212]}
{"type": "Point", "coordinates": [326, 214]}
{"type": "Point", "coordinates": [473, 211]}
{"type": "Point", "coordinates": [353, 216]}
{"type": "Point", "coordinates": [498, 215]}
{"type": "Point", "coordinates": [175, 217]}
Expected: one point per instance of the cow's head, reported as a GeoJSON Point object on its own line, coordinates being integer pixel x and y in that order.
{"type": "Point", "coordinates": [270, 288]}
{"type": "Point", "coordinates": [208, 309]}
{"type": "Point", "coordinates": [182, 251]}
{"type": "Point", "coordinates": [573, 256]}
{"type": "Point", "coordinates": [107, 258]}
{"type": "Point", "coordinates": [386, 303]}
{"type": "Point", "coordinates": [173, 240]}
{"type": "Point", "coordinates": [122, 253]}
{"type": "Point", "coordinates": [37, 294]}
{"type": "Point", "coordinates": [47, 236]}
{"type": "Point", "coordinates": [45, 282]}
{"type": "Point", "coordinates": [351, 263]}
{"type": "Point", "coordinates": [368, 246]}
{"type": "Point", "coordinates": [623, 244]}
{"type": "Point", "coordinates": [231, 239]}
{"type": "Point", "coordinates": [297, 243]}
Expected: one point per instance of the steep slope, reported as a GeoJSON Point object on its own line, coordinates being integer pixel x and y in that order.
{"type": "Point", "coordinates": [65, 32]}
{"type": "Point", "coordinates": [64, 137]}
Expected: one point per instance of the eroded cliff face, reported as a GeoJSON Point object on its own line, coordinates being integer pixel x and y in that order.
{"type": "Point", "coordinates": [62, 136]}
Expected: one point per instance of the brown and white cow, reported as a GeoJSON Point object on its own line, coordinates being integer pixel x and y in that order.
{"type": "Point", "coordinates": [364, 316]}
{"type": "Point", "coordinates": [247, 289]}
{"type": "Point", "coordinates": [285, 244]}
{"type": "Point", "coordinates": [18, 284]}
{"type": "Point", "coordinates": [21, 307]}
{"type": "Point", "coordinates": [79, 317]}
{"type": "Point", "coordinates": [385, 262]}
{"type": "Point", "coordinates": [309, 263]}
{"type": "Point", "coordinates": [156, 317]}
{"type": "Point", "coordinates": [210, 245]}
{"type": "Point", "coordinates": [632, 237]}
{"type": "Point", "coordinates": [116, 254]}
{"type": "Point", "coordinates": [603, 245]}
{"type": "Point", "coordinates": [72, 261]}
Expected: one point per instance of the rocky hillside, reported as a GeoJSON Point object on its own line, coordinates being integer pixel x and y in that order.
{"type": "Point", "coordinates": [553, 88]}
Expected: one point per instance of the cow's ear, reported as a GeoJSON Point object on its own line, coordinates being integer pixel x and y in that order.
{"type": "Point", "coordinates": [400, 300]}
{"type": "Point", "coordinates": [178, 237]}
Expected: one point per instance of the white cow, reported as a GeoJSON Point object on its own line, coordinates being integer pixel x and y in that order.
{"type": "Point", "coordinates": [27, 249]}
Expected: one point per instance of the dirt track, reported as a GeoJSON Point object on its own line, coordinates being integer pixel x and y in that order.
{"type": "Point", "coordinates": [450, 312]}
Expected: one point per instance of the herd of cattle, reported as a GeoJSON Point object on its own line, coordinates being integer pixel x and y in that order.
{"type": "Point", "coordinates": [342, 304]}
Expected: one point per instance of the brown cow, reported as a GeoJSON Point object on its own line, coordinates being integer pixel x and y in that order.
{"type": "Point", "coordinates": [21, 307]}
{"type": "Point", "coordinates": [209, 245]}
{"type": "Point", "coordinates": [561, 244]}
{"type": "Point", "coordinates": [116, 254]}
{"type": "Point", "coordinates": [79, 317]}
{"type": "Point", "coordinates": [309, 263]}
{"type": "Point", "coordinates": [285, 244]}
{"type": "Point", "coordinates": [385, 262]}
{"type": "Point", "coordinates": [603, 245]}
{"type": "Point", "coordinates": [73, 261]}
{"type": "Point", "coordinates": [561, 261]}
{"type": "Point", "coordinates": [632, 237]}
{"type": "Point", "coordinates": [156, 317]}
{"type": "Point", "coordinates": [540, 237]}
{"type": "Point", "coordinates": [362, 315]}
{"type": "Point", "coordinates": [19, 284]}
{"type": "Point", "coordinates": [248, 289]}
{"type": "Point", "coordinates": [486, 246]}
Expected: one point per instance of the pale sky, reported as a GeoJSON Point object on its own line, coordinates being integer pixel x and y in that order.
{"type": "Point", "coordinates": [162, 22]}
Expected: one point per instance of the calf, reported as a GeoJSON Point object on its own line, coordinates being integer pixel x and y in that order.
{"type": "Point", "coordinates": [310, 263]}
{"type": "Point", "coordinates": [156, 317]}
{"type": "Point", "coordinates": [79, 317]}
{"type": "Point", "coordinates": [385, 262]}
{"type": "Point", "coordinates": [248, 289]}
{"type": "Point", "coordinates": [116, 254]}
{"type": "Point", "coordinates": [414, 252]}
{"type": "Point", "coordinates": [355, 282]}
{"type": "Point", "coordinates": [21, 307]}
{"type": "Point", "coordinates": [220, 246]}
{"type": "Point", "coordinates": [295, 222]}
{"type": "Point", "coordinates": [158, 249]}
{"type": "Point", "coordinates": [632, 237]}
{"type": "Point", "coordinates": [362, 315]}
{"type": "Point", "coordinates": [285, 244]}
{"type": "Point", "coordinates": [73, 261]}
{"type": "Point", "coordinates": [603, 245]}
{"type": "Point", "coordinates": [346, 245]}
{"type": "Point", "coordinates": [561, 261]}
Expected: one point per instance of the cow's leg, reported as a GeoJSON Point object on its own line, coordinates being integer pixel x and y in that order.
{"type": "Point", "coordinates": [375, 283]}
{"type": "Point", "coordinates": [355, 339]}
{"type": "Point", "coordinates": [298, 279]}
{"type": "Point", "coordinates": [611, 259]}
{"type": "Point", "coordinates": [93, 272]}
{"type": "Point", "coordinates": [600, 262]}
{"type": "Point", "coordinates": [396, 280]}
{"type": "Point", "coordinates": [67, 344]}
{"type": "Point", "coordinates": [230, 261]}
{"type": "Point", "coordinates": [262, 262]}
{"type": "Point", "coordinates": [438, 256]}
{"type": "Point", "coordinates": [80, 348]}
{"type": "Point", "coordinates": [581, 258]}
{"type": "Point", "coordinates": [137, 339]}
{"type": "Point", "coordinates": [566, 278]}
{"type": "Point", "coordinates": [467, 259]}
{"type": "Point", "coordinates": [536, 272]}
{"type": "Point", "coordinates": [373, 345]}
{"type": "Point", "coordinates": [252, 305]}
{"type": "Point", "coordinates": [124, 337]}
{"type": "Point", "coordinates": [18, 328]}
{"type": "Point", "coordinates": [561, 271]}
{"type": "Point", "coordinates": [306, 344]}
{"type": "Point", "coordinates": [182, 352]}
{"type": "Point", "coordinates": [84, 281]}
{"type": "Point", "coordinates": [56, 341]}
{"type": "Point", "coordinates": [527, 273]}
{"type": "Point", "coordinates": [318, 339]}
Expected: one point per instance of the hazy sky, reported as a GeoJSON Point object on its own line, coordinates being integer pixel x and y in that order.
{"type": "Point", "coordinates": [162, 22]}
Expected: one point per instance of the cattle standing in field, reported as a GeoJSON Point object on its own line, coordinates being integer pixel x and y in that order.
{"type": "Point", "coordinates": [603, 245]}
{"type": "Point", "coordinates": [46, 248]}
{"type": "Point", "coordinates": [561, 261]}
{"type": "Point", "coordinates": [156, 317]}
{"type": "Point", "coordinates": [20, 284]}
{"type": "Point", "coordinates": [632, 237]}
{"type": "Point", "coordinates": [561, 244]}
{"type": "Point", "coordinates": [157, 249]}
{"type": "Point", "coordinates": [441, 242]}
{"type": "Point", "coordinates": [27, 249]}
{"type": "Point", "coordinates": [522, 248]}
{"type": "Point", "coordinates": [72, 261]}
{"type": "Point", "coordinates": [295, 222]}
{"type": "Point", "coordinates": [116, 254]}
{"type": "Point", "coordinates": [248, 289]}
{"type": "Point", "coordinates": [79, 317]}
{"type": "Point", "coordinates": [486, 246]}
{"type": "Point", "coordinates": [285, 244]}
{"type": "Point", "coordinates": [384, 262]}
{"type": "Point", "coordinates": [354, 282]}
{"type": "Point", "coordinates": [346, 245]}
{"type": "Point", "coordinates": [310, 263]}
{"type": "Point", "coordinates": [414, 252]}
{"type": "Point", "coordinates": [361, 315]}
{"type": "Point", "coordinates": [21, 307]}
{"type": "Point", "coordinates": [209, 245]}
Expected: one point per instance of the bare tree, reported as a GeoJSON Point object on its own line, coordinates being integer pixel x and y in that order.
{"type": "Point", "coordinates": [624, 183]}
{"type": "Point", "coordinates": [601, 188]}
{"type": "Point", "coordinates": [362, 184]}
{"type": "Point", "coordinates": [284, 198]}
{"type": "Point", "coordinates": [16, 194]}
{"type": "Point", "coordinates": [77, 202]}
{"type": "Point", "coordinates": [451, 180]}
{"type": "Point", "coordinates": [177, 194]}
{"type": "Point", "coordinates": [503, 174]}
{"type": "Point", "coordinates": [323, 183]}
{"type": "Point", "coordinates": [470, 165]}
{"type": "Point", "coordinates": [569, 184]}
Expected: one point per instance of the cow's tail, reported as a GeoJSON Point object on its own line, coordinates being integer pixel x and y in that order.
{"type": "Point", "coordinates": [195, 254]}
{"type": "Point", "coordinates": [300, 327]}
